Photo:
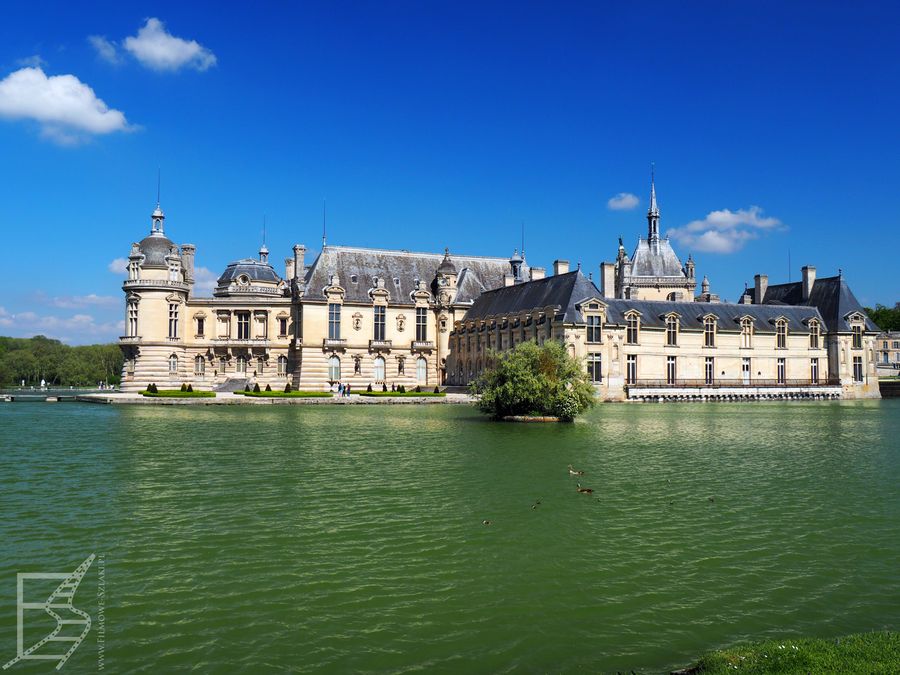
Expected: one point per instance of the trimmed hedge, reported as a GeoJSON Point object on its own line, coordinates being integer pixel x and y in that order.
{"type": "Point", "coordinates": [285, 394]}
{"type": "Point", "coordinates": [177, 393]}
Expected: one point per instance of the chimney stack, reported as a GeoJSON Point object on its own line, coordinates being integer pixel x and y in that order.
{"type": "Point", "coordinates": [288, 269]}
{"type": "Point", "coordinates": [560, 267]}
{"type": "Point", "coordinates": [808, 273]}
{"type": "Point", "coordinates": [761, 282]}
{"type": "Point", "coordinates": [508, 279]}
{"type": "Point", "coordinates": [299, 255]}
{"type": "Point", "coordinates": [537, 273]}
{"type": "Point", "coordinates": [187, 262]}
{"type": "Point", "coordinates": [608, 279]}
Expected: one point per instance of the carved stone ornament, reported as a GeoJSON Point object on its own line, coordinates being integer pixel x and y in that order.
{"type": "Point", "coordinates": [357, 321]}
{"type": "Point", "coordinates": [401, 322]}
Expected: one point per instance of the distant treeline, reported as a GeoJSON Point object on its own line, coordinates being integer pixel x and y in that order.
{"type": "Point", "coordinates": [40, 358]}
{"type": "Point", "coordinates": [885, 317]}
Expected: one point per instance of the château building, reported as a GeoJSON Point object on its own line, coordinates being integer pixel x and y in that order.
{"type": "Point", "coordinates": [366, 316]}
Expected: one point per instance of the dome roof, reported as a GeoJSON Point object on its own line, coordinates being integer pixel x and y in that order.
{"type": "Point", "coordinates": [155, 249]}
{"type": "Point", "coordinates": [446, 266]}
{"type": "Point", "coordinates": [254, 270]}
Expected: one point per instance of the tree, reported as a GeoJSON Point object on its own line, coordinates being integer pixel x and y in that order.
{"type": "Point", "coordinates": [885, 318]}
{"type": "Point", "coordinates": [533, 379]}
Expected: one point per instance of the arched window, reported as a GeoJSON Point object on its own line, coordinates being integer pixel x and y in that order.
{"type": "Point", "coordinates": [241, 364]}
{"type": "Point", "coordinates": [173, 364]}
{"type": "Point", "coordinates": [781, 334]}
{"type": "Point", "coordinates": [132, 318]}
{"type": "Point", "coordinates": [334, 368]}
{"type": "Point", "coordinates": [746, 333]}
{"type": "Point", "coordinates": [199, 366]}
{"type": "Point", "coordinates": [379, 369]}
{"type": "Point", "coordinates": [282, 365]}
{"type": "Point", "coordinates": [672, 331]}
{"type": "Point", "coordinates": [709, 331]}
{"type": "Point", "coordinates": [421, 371]}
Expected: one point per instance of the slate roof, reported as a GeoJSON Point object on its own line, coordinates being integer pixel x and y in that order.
{"type": "Point", "coordinates": [561, 290]}
{"type": "Point", "coordinates": [662, 263]}
{"type": "Point", "coordinates": [254, 269]}
{"type": "Point", "coordinates": [831, 295]}
{"type": "Point", "coordinates": [400, 271]}
{"type": "Point", "coordinates": [155, 249]}
{"type": "Point", "coordinates": [565, 291]}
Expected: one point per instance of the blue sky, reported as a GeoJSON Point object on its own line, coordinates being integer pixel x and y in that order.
{"type": "Point", "coordinates": [772, 126]}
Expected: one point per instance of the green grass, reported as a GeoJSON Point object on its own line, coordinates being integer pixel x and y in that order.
{"type": "Point", "coordinates": [401, 393]}
{"type": "Point", "coordinates": [286, 394]}
{"type": "Point", "coordinates": [860, 653]}
{"type": "Point", "coordinates": [177, 393]}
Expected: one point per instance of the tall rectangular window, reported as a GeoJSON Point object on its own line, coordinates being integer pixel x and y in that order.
{"type": "Point", "coordinates": [745, 370]}
{"type": "Point", "coordinates": [421, 324]}
{"type": "Point", "coordinates": [814, 371]}
{"type": "Point", "coordinates": [201, 326]}
{"type": "Point", "coordinates": [379, 323]}
{"type": "Point", "coordinates": [857, 337]}
{"type": "Point", "coordinates": [243, 325]}
{"type": "Point", "coordinates": [631, 329]}
{"type": "Point", "coordinates": [223, 362]}
{"type": "Point", "coordinates": [781, 334]}
{"type": "Point", "coordinates": [595, 370]}
{"type": "Point", "coordinates": [173, 319]}
{"type": "Point", "coordinates": [746, 333]}
{"type": "Point", "coordinates": [813, 334]}
{"type": "Point", "coordinates": [671, 371]}
{"type": "Point", "coordinates": [593, 329]}
{"type": "Point", "coordinates": [709, 370]}
{"type": "Point", "coordinates": [132, 319]}
{"type": "Point", "coordinates": [631, 369]}
{"type": "Point", "coordinates": [334, 321]}
{"type": "Point", "coordinates": [857, 369]}
{"type": "Point", "coordinates": [781, 371]}
{"type": "Point", "coordinates": [282, 326]}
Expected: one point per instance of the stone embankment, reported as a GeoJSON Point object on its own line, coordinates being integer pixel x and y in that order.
{"type": "Point", "coordinates": [228, 398]}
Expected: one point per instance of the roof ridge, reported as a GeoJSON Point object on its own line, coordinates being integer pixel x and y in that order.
{"type": "Point", "coordinates": [533, 281]}
{"type": "Point", "coordinates": [405, 252]}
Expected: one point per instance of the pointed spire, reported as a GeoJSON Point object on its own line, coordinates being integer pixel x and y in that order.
{"type": "Point", "coordinates": [653, 211]}
{"type": "Point", "coordinates": [157, 217]}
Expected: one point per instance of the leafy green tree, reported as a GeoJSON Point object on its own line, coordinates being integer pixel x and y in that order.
{"type": "Point", "coordinates": [533, 379]}
{"type": "Point", "coordinates": [885, 317]}
{"type": "Point", "coordinates": [37, 358]}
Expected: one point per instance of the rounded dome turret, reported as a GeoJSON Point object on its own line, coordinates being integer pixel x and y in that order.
{"type": "Point", "coordinates": [446, 266]}
{"type": "Point", "coordinates": [156, 248]}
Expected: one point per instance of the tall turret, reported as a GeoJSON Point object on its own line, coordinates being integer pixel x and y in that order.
{"type": "Point", "coordinates": [653, 214]}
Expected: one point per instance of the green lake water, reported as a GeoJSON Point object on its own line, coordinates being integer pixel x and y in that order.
{"type": "Point", "coordinates": [350, 538]}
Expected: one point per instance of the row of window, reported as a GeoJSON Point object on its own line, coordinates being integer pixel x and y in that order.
{"type": "Point", "coordinates": [243, 323]}
{"type": "Point", "coordinates": [241, 366]}
{"type": "Point", "coordinates": [894, 344]}
{"type": "Point", "coordinates": [710, 330]}
{"type": "Point", "coordinates": [378, 320]}
{"type": "Point", "coordinates": [379, 368]}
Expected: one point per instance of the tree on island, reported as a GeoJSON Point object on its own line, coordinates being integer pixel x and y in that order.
{"type": "Point", "coordinates": [534, 380]}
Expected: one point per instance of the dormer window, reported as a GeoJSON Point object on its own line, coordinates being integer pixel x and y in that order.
{"type": "Point", "coordinates": [857, 336]}
{"type": "Point", "coordinates": [709, 331]}
{"type": "Point", "coordinates": [632, 329]}
{"type": "Point", "coordinates": [594, 327]}
{"type": "Point", "coordinates": [671, 330]}
{"type": "Point", "coordinates": [746, 332]}
{"type": "Point", "coordinates": [813, 334]}
{"type": "Point", "coordinates": [354, 278]}
{"type": "Point", "coordinates": [781, 334]}
{"type": "Point", "coordinates": [244, 280]}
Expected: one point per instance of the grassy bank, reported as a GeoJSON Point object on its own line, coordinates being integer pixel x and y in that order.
{"type": "Point", "coordinates": [402, 393]}
{"type": "Point", "coordinates": [177, 393]}
{"type": "Point", "coordinates": [860, 653]}
{"type": "Point", "coordinates": [285, 394]}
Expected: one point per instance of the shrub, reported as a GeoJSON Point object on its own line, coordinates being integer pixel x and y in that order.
{"type": "Point", "coordinates": [256, 387]}
{"type": "Point", "coordinates": [152, 388]}
{"type": "Point", "coordinates": [287, 388]}
{"type": "Point", "coordinates": [437, 390]}
{"type": "Point", "coordinates": [402, 388]}
{"type": "Point", "coordinates": [383, 386]}
{"type": "Point", "coordinates": [418, 389]}
{"type": "Point", "coordinates": [533, 379]}
{"type": "Point", "coordinates": [369, 388]}
{"type": "Point", "coordinates": [190, 387]}
{"type": "Point", "coordinates": [246, 387]}
{"type": "Point", "coordinates": [183, 387]}
{"type": "Point", "coordinates": [268, 387]}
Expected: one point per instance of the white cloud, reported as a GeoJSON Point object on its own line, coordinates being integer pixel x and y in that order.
{"type": "Point", "coordinates": [160, 50]}
{"type": "Point", "coordinates": [204, 281]}
{"type": "Point", "coordinates": [63, 105]}
{"type": "Point", "coordinates": [118, 266]}
{"type": "Point", "coordinates": [624, 201]}
{"type": "Point", "coordinates": [90, 300]}
{"type": "Point", "coordinates": [33, 61]}
{"type": "Point", "coordinates": [725, 231]}
{"type": "Point", "coordinates": [78, 328]}
{"type": "Point", "coordinates": [105, 49]}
